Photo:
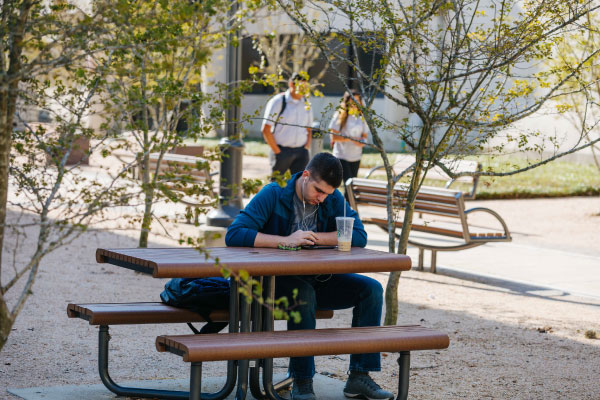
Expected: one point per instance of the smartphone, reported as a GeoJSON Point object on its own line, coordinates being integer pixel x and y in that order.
{"type": "Point", "coordinates": [317, 247]}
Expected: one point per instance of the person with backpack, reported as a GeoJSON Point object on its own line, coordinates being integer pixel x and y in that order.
{"type": "Point", "coordinates": [287, 126]}
{"type": "Point", "coordinates": [349, 134]}
{"type": "Point", "coordinates": [304, 213]}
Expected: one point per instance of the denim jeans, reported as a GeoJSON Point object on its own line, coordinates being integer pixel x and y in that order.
{"type": "Point", "coordinates": [333, 292]}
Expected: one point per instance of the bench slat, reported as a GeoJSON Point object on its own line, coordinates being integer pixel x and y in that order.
{"type": "Point", "coordinates": [440, 228]}
{"type": "Point", "coordinates": [420, 206]}
{"type": "Point", "coordinates": [178, 164]}
{"type": "Point", "coordinates": [256, 345]}
{"type": "Point", "coordinates": [438, 195]}
{"type": "Point", "coordinates": [148, 313]}
{"type": "Point", "coordinates": [416, 227]}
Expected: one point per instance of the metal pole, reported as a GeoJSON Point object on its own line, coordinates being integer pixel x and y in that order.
{"type": "Point", "coordinates": [230, 193]}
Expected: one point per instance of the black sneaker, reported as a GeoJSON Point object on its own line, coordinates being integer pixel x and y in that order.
{"type": "Point", "coordinates": [360, 385]}
{"type": "Point", "coordinates": [303, 390]}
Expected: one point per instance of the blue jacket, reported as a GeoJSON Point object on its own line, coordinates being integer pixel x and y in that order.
{"type": "Point", "coordinates": [271, 211]}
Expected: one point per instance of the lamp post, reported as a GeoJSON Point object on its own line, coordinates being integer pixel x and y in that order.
{"type": "Point", "coordinates": [230, 186]}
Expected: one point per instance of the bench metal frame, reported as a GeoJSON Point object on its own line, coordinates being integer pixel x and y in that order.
{"type": "Point", "coordinates": [103, 350]}
{"type": "Point", "coordinates": [395, 339]}
{"type": "Point", "coordinates": [403, 379]}
{"type": "Point", "coordinates": [109, 383]}
{"type": "Point", "coordinates": [270, 391]}
{"type": "Point", "coordinates": [232, 366]}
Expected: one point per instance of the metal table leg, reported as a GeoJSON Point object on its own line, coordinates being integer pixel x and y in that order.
{"type": "Point", "coordinates": [242, 386]}
{"type": "Point", "coordinates": [268, 325]}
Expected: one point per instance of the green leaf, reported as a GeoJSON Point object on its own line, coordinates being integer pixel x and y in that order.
{"type": "Point", "coordinates": [244, 276]}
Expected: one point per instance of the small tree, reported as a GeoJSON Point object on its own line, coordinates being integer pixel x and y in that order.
{"type": "Point", "coordinates": [153, 68]}
{"type": "Point", "coordinates": [43, 67]}
{"type": "Point", "coordinates": [579, 104]}
{"type": "Point", "coordinates": [466, 71]}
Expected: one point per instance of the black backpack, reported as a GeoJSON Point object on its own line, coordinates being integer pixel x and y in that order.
{"type": "Point", "coordinates": [200, 295]}
{"type": "Point", "coordinates": [283, 105]}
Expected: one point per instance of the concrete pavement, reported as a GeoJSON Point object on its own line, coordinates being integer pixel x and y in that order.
{"type": "Point", "coordinates": [555, 247]}
{"type": "Point", "coordinates": [533, 269]}
{"type": "Point", "coordinates": [329, 388]}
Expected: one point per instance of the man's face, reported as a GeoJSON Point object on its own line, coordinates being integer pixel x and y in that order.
{"type": "Point", "coordinates": [315, 191]}
{"type": "Point", "coordinates": [299, 88]}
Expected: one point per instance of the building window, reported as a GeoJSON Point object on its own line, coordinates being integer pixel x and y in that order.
{"type": "Point", "coordinates": [292, 53]}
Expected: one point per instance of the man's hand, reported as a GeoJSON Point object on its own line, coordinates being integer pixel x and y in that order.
{"type": "Point", "coordinates": [270, 139]}
{"type": "Point", "coordinates": [308, 138]}
{"type": "Point", "coordinates": [300, 238]}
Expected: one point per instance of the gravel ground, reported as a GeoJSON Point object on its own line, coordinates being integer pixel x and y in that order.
{"type": "Point", "coordinates": [503, 344]}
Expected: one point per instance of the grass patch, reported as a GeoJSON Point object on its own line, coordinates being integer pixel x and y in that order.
{"type": "Point", "coordinates": [252, 146]}
{"type": "Point", "coordinates": [555, 179]}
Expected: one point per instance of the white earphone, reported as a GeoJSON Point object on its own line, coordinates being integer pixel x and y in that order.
{"type": "Point", "coordinates": [304, 216]}
{"type": "Point", "coordinates": [303, 183]}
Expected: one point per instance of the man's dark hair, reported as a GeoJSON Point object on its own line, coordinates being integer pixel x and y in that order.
{"type": "Point", "coordinates": [297, 77]}
{"type": "Point", "coordinates": [326, 167]}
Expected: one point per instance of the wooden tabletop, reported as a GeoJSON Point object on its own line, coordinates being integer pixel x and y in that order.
{"type": "Point", "coordinates": [182, 262]}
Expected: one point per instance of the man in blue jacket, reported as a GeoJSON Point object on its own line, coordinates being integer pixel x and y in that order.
{"type": "Point", "coordinates": [303, 213]}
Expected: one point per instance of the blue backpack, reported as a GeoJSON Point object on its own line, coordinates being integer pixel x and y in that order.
{"type": "Point", "coordinates": [200, 295]}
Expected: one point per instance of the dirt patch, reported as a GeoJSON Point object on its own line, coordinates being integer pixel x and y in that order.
{"type": "Point", "coordinates": [505, 344]}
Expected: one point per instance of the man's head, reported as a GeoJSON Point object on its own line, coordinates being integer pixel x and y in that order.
{"type": "Point", "coordinates": [298, 85]}
{"type": "Point", "coordinates": [322, 176]}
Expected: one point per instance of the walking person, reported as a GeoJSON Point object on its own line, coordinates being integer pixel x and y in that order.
{"type": "Point", "coordinates": [303, 213]}
{"type": "Point", "coordinates": [287, 126]}
{"type": "Point", "coordinates": [350, 133]}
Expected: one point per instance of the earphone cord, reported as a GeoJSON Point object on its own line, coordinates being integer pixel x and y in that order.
{"type": "Point", "coordinates": [319, 278]}
{"type": "Point", "coordinates": [304, 216]}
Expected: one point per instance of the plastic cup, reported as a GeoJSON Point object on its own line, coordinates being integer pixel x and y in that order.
{"type": "Point", "coordinates": [344, 232]}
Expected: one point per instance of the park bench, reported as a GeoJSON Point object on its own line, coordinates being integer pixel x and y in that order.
{"type": "Point", "coordinates": [197, 349]}
{"type": "Point", "coordinates": [440, 221]}
{"type": "Point", "coordinates": [404, 163]}
{"type": "Point", "coordinates": [186, 174]}
{"type": "Point", "coordinates": [106, 314]}
{"type": "Point", "coordinates": [175, 169]}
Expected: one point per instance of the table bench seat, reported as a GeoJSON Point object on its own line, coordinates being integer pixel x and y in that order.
{"type": "Point", "coordinates": [138, 313]}
{"type": "Point", "coordinates": [148, 313]}
{"type": "Point", "coordinates": [106, 314]}
{"type": "Point", "coordinates": [258, 345]}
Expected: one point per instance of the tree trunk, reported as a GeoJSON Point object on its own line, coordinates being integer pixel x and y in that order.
{"type": "Point", "coordinates": [5, 145]}
{"type": "Point", "coordinates": [147, 218]}
{"type": "Point", "coordinates": [6, 322]}
{"type": "Point", "coordinates": [148, 189]}
{"type": "Point", "coordinates": [148, 200]}
{"type": "Point", "coordinates": [391, 290]}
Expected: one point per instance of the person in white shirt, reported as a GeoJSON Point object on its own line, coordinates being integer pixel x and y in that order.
{"type": "Point", "coordinates": [350, 133]}
{"type": "Point", "coordinates": [287, 126]}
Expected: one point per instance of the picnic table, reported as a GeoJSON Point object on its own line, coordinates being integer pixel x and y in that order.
{"type": "Point", "coordinates": [265, 264]}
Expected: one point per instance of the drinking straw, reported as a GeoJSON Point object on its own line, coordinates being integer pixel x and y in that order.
{"type": "Point", "coordinates": [344, 207]}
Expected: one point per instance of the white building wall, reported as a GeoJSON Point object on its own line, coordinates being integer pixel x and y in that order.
{"type": "Point", "coordinates": [253, 105]}
{"type": "Point", "coordinates": [555, 127]}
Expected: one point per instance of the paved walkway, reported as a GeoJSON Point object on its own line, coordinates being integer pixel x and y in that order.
{"type": "Point", "coordinates": [329, 389]}
{"type": "Point", "coordinates": [554, 250]}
